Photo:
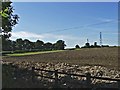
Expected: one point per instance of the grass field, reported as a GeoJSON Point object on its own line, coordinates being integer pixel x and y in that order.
{"type": "Point", "coordinates": [89, 56]}
{"type": "Point", "coordinates": [32, 53]}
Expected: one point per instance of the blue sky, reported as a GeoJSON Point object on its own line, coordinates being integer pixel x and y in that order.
{"type": "Point", "coordinates": [53, 21]}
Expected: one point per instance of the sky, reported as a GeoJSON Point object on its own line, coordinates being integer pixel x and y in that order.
{"type": "Point", "coordinates": [65, 0]}
{"type": "Point", "coordinates": [73, 22]}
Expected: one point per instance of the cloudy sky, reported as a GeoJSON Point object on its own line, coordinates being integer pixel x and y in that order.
{"type": "Point", "coordinates": [72, 22]}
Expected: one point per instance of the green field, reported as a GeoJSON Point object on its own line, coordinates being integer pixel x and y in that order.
{"type": "Point", "coordinates": [32, 53]}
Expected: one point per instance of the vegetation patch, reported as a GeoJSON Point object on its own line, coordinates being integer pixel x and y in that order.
{"type": "Point", "coordinates": [32, 53]}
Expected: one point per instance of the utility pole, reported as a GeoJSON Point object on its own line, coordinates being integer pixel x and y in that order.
{"type": "Point", "coordinates": [101, 39]}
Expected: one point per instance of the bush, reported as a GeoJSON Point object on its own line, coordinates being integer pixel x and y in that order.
{"type": "Point", "coordinates": [77, 46]}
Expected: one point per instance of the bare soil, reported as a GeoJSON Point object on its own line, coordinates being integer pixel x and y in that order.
{"type": "Point", "coordinates": [87, 56]}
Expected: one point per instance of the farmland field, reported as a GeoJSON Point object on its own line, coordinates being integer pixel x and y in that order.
{"type": "Point", "coordinates": [90, 56]}
{"type": "Point", "coordinates": [17, 74]}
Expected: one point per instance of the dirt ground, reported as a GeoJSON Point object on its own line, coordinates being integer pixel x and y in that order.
{"type": "Point", "coordinates": [91, 56]}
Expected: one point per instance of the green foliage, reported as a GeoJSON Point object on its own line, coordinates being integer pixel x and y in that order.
{"type": "Point", "coordinates": [4, 13]}
{"type": "Point", "coordinates": [95, 44]}
{"type": "Point", "coordinates": [9, 20]}
{"type": "Point", "coordinates": [39, 45]}
{"type": "Point", "coordinates": [48, 46]}
{"type": "Point", "coordinates": [59, 45]}
{"type": "Point", "coordinates": [23, 46]}
{"type": "Point", "coordinates": [27, 44]}
{"type": "Point", "coordinates": [77, 46]}
{"type": "Point", "coordinates": [19, 44]}
{"type": "Point", "coordinates": [87, 45]}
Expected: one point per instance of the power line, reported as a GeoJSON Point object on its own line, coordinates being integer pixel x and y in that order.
{"type": "Point", "coordinates": [94, 24]}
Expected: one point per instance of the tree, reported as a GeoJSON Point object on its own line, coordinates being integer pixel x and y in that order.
{"type": "Point", "coordinates": [32, 45]}
{"type": "Point", "coordinates": [27, 44]}
{"type": "Point", "coordinates": [39, 44]}
{"type": "Point", "coordinates": [13, 45]}
{"type": "Point", "coordinates": [59, 45]}
{"type": "Point", "coordinates": [95, 44]}
{"type": "Point", "coordinates": [48, 46]}
{"type": "Point", "coordinates": [9, 20]}
{"type": "Point", "coordinates": [87, 45]}
{"type": "Point", "coordinates": [7, 45]}
{"type": "Point", "coordinates": [19, 44]}
{"type": "Point", "coordinates": [77, 46]}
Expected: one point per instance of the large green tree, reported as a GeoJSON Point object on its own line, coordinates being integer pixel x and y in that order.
{"type": "Point", "coordinates": [27, 44]}
{"type": "Point", "coordinates": [59, 45]}
{"type": "Point", "coordinates": [39, 44]}
{"type": "Point", "coordinates": [19, 44]}
{"type": "Point", "coordinates": [9, 20]}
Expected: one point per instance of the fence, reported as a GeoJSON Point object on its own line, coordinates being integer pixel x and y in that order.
{"type": "Point", "coordinates": [87, 76]}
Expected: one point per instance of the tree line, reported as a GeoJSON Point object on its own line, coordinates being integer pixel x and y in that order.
{"type": "Point", "coordinates": [27, 45]}
{"type": "Point", "coordinates": [87, 45]}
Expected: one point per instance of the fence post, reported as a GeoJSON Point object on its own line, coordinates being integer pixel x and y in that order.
{"type": "Point", "coordinates": [56, 78]}
{"type": "Point", "coordinates": [33, 74]}
{"type": "Point", "coordinates": [88, 79]}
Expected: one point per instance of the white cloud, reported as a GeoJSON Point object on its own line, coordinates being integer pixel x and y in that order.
{"type": "Point", "coordinates": [107, 20]}
{"type": "Point", "coordinates": [71, 41]}
{"type": "Point", "coordinates": [30, 35]}
{"type": "Point", "coordinates": [23, 34]}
